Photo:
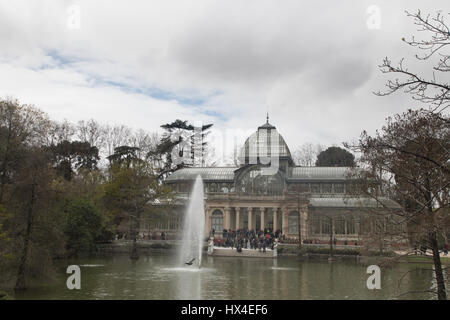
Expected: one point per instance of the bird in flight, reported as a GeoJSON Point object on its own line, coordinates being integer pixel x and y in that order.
{"type": "Point", "coordinates": [190, 262]}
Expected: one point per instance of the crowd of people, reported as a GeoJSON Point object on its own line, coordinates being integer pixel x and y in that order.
{"type": "Point", "coordinates": [249, 239]}
{"type": "Point", "coordinates": [260, 239]}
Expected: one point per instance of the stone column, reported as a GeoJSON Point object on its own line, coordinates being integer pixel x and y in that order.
{"type": "Point", "coordinates": [275, 219]}
{"type": "Point", "coordinates": [227, 218]}
{"type": "Point", "coordinates": [250, 218]}
{"type": "Point", "coordinates": [285, 227]}
{"type": "Point", "coordinates": [304, 223]}
{"type": "Point", "coordinates": [238, 218]}
{"type": "Point", "coordinates": [207, 220]}
{"type": "Point", "coordinates": [357, 226]}
{"type": "Point", "coordinates": [263, 219]}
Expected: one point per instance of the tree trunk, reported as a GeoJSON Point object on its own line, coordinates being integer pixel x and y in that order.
{"type": "Point", "coordinates": [442, 294]}
{"type": "Point", "coordinates": [5, 164]}
{"type": "Point", "coordinates": [331, 240]}
{"type": "Point", "coordinates": [134, 250]}
{"type": "Point", "coordinates": [136, 227]}
{"type": "Point", "coordinates": [20, 282]}
{"type": "Point", "coordinates": [299, 231]}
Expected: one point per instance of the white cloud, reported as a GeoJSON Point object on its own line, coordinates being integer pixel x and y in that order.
{"type": "Point", "coordinates": [313, 64]}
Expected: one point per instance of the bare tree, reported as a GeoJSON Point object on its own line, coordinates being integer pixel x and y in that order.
{"type": "Point", "coordinates": [306, 154]}
{"type": "Point", "coordinates": [434, 91]}
{"type": "Point", "coordinates": [116, 136]}
{"type": "Point", "coordinates": [60, 131]}
{"type": "Point", "coordinates": [143, 141]}
{"type": "Point", "coordinates": [427, 186]}
{"type": "Point", "coordinates": [409, 159]}
{"type": "Point", "coordinates": [91, 131]}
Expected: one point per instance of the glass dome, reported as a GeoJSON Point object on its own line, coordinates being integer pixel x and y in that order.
{"type": "Point", "coordinates": [266, 142]}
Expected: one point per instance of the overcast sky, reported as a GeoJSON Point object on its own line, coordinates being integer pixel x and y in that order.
{"type": "Point", "coordinates": [311, 64]}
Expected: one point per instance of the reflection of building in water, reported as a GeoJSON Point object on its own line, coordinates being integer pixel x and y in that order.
{"type": "Point", "coordinates": [253, 196]}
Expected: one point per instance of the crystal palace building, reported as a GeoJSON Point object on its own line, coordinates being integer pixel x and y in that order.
{"type": "Point", "coordinates": [256, 194]}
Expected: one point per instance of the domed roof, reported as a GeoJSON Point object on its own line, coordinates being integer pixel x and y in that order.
{"type": "Point", "coordinates": [265, 142]}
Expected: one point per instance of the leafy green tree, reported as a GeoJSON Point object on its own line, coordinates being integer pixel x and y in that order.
{"type": "Point", "coordinates": [44, 173]}
{"type": "Point", "coordinates": [124, 155]}
{"type": "Point", "coordinates": [130, 192]}
{"type": "Point", "coordinates": [83, 225]}
{"type": "Point", "coordinates": [20, 126]}
{"type": "Point", "coordinates": [35, 226]}
{"type": "Point", "coordinates": [335, 157]}
{"type": "Point", "coordinates": [5, 252]}
{"type": "Point", "coordinates": [26, 192]}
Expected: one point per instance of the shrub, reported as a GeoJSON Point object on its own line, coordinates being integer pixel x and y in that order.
{"type": "Point", "coordinates": [83, 225]}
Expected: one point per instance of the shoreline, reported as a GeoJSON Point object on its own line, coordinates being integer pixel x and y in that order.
{"type": "Point", "coordinates": [284, 250]}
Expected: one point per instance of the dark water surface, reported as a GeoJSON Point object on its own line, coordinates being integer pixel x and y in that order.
{"type": "Point", "coordinates": [158, 276]}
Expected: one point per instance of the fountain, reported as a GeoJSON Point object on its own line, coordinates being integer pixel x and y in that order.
{"type": "Point", "coordinates": [194, 228]}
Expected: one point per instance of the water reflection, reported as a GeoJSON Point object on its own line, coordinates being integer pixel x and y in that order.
{"type": "Point", "coordinates": [188, 285]}
{"type": "Point", "coordinates": [159, 276]}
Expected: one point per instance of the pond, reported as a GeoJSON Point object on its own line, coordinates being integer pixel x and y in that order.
{"type": "Point", "coordinates": [159, 276]}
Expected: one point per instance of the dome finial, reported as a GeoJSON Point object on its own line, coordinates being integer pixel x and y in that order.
{"type": "Point", "coordinates": [267, 117]}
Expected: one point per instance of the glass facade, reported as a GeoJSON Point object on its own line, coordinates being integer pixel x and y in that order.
{"type": "Point", "coordinates": [326, 188]}
{"type": "Point", "coordinates": [255, 183]}
{"type": "Point", "coordinates": [339, 226]}
{"type": "Point", "coordinates": [338, 187]}
{"type": "Point", "coordinates": [293, 223]}
{"type": "Point", "coordinates": [315, 188]}
{"type": "Point", "coordinates": [351, 226]}
{"type": "Point", "coordinates": [217, 220]}
{"type": "Point", "coordinates": [326, 226]}
{"type": "Point", "coordinates": [316, 225]}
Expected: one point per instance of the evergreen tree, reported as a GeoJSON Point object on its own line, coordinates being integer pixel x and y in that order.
{"type": "Point", "coordinates": [184, 141]}
{"type": "Point", "coordinates": [335, 157]}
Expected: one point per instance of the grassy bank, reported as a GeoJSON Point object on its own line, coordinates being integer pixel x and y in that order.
{"type": "Point", "coordinates": [4, 296]}
{"type": "Point", "coordinates": [425, 259]}
{"type": "Point", "coordinates": [312, 250]}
